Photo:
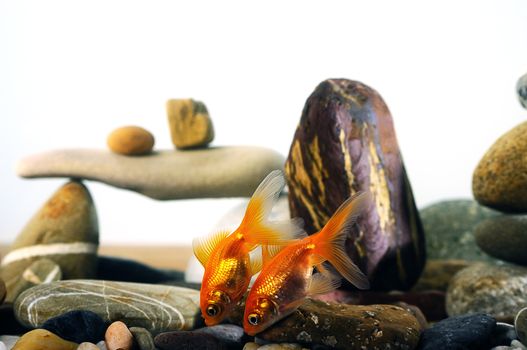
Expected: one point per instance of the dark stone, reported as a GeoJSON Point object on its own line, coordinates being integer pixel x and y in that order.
{"type": "Point", "coordinates": [8, 322]}
{"type": "Point", "coordinates": [459, 332]}
{"type": "Point", "coordinates": [346, 143]}
{"type": "Point", "coordinates": [503, 334]}
{"type": "Point", "coordinates": [125, 270]}
{"type": "Point", "coordinates": [230, 335]}
{"type": "Point", "coordinates": [504, 237]}
{"type": "Point", "coordinates": [449, 227]}
{"type": "Point", "coordinates": [143, 338]}
{"type": "Point", "coordinates": [184, 340]}
{"type": "Point", "coordinates": [77, 326]}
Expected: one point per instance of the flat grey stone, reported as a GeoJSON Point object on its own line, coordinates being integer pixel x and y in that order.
{"type": "Point", "coordinates": [157, 308]}
{"type": "Point", "coordinates": [201, 173]}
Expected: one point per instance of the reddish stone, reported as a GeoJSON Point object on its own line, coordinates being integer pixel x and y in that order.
{"type": "Point", "coordinates": [346, 143]}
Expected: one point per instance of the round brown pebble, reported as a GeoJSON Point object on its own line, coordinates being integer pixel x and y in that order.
{"type": "Point", "coordinates": [41, 339]}
{"type": "Point", "coordinates": [131, 141]}
{"type": "Point", "coordinates": [118, 336]}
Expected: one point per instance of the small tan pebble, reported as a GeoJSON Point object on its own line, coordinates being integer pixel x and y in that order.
{"type": "Point", "coordinates": [131, 141]}
{"type": "Point", "coordinates": [251, 346]}
{"type": "Point", "coordinates": [189, 123]}
{"type": "Point", "coordinates": [87, 346]}
{"type": "Point", "coordinates": [41, 339]}
{"type": "Point", "coordinates": [118, 336]}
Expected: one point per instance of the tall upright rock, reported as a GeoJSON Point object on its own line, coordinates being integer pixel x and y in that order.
{"type": "Point", "coordinates": [346, 143]}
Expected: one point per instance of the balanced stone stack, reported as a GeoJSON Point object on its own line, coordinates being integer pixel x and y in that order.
{"type": "Point", "coordinates": [498, 287]}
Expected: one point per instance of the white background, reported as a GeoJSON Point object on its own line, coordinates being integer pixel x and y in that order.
{"type": "Point", "coordinates": [72, 71]}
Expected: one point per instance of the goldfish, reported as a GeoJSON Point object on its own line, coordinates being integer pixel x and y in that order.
{"type": "Point", "coordinates": [226, 255]}
{"type": "Point", "coordinates": [288, 278]}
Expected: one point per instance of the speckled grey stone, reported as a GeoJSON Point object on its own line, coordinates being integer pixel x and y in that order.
{"type": "Point", "coordinates": [205, 173]}
{"type": "Point", "coordinates": [499, 291]}
{"type": "Point", "coordinates": [449, 229]}
{"type": "Point", "coordinates": [157, 308]}
{"type": "Point", "coordinates": [143, 338]}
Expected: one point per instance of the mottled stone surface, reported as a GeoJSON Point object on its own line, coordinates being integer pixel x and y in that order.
{"type": "Point", "coordinates": [130, 141]}
{"type": "Point", "coordinates": [126, 270]}
{"type": "Point", "coordinates": [449, 228]}
{"type": "Point", "coordinates": [345, 143]}
{"type": "Point", "coordinates": [461, 332]}
{"type": "Point", "coordinates": [498, 181]}
{"type": "Point", "coordinates": [438, 273]}
{"type": "Point", "coordinates": [77, 326]}
{"type": "Point", "coordinates": [499, 291]}
{"type": "Point", "coordinates": [205, 173]}
{"type": "Point", "coordinates": [157, 308]}
{"type": "Point", "coordinates": [41, 339]}
{"type": "Point", "coordinates": [521, 89]}
{"type": "Point", "coordinates": [189, 123]}
{"type": "Point", "coordinates": [504, 237]}
{"type": "Point", "coordinates": [520, 324]}
{"type": "Point", "coordinates": [343, 326]}
{"type": "Point", "coordinates": [87, 346]}
{"type": "Point", "coordinates": [41, 271]}
{"type": "Point", "coordinates": [430, 303]}
{"type": "Point", "coordinates": [64, 230]}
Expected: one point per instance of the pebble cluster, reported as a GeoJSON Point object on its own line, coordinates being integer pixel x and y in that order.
{"type": "Point", "coordinates": [56, 292]}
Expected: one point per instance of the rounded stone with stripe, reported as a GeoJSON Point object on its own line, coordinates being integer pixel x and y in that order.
{"type": "Point", "coordinates": [157, 308]}
{"type": "Point", "coordinates": [345, 143]}
{"type": "Point", "coordinates": [65, 230]}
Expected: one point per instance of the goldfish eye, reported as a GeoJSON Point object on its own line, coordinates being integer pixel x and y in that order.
{"type": "Point", "coordinates": [254, 319]}
{"type": "Point", "coordinates": [213, 310]}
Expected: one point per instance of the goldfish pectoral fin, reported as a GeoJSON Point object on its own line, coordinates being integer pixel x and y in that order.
{"type": "Point", "coordinates": [321, 284]}
{"type": "Point", "coordinates": [256, 263]}
{"type": "Point", "coordinates": [204, 246]}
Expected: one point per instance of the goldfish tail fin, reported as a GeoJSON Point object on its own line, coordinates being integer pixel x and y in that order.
{"type": "Point", "coordinates": [255, 225]}
{"type": "Point", "coordinates": [329, 242]}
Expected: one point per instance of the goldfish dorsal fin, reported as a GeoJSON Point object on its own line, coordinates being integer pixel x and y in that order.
{"type": "Point", "coordinates": [330, 240]}
{"type": "Point", "coordinates": [255, 225]}
{"type": "Point", "coordinates": [322, 283]}
{"type": "Point", "coordinates": [204, 246]}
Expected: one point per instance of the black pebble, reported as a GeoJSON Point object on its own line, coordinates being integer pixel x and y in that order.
{"type": "Point", "coordinates": [470, 332]}
{"type": "Point", "coordinates": [125, 270]}
{"type": "Point", "coordinates": [77, 326]}
{"type": "Point", "coordinates": [181, 340]}
{"type": "Point", "coordinates": [230, 335]}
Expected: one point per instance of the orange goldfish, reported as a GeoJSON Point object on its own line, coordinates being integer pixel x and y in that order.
{"type": "Point", "coordinates": [225, 256]}
{"type": "Point", "coordinates": [287, 279]}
